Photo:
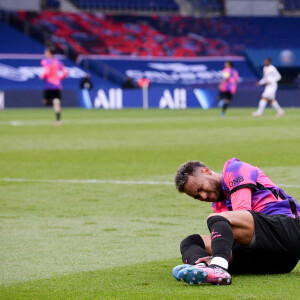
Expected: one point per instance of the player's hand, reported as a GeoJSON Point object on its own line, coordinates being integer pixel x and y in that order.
{"type": "Point", "coordinates": [206, 259]}
{"type": "Point", "coordinates": [257, 83]}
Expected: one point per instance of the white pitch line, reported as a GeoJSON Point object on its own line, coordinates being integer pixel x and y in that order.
{"type": "Point", "coordinates": [98, 181]}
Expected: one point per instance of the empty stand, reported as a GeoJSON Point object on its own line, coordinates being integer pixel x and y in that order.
{"type": "Point", "coordinates": [159, 36]}
{"type": "Point", "coordinates": [20, 43]}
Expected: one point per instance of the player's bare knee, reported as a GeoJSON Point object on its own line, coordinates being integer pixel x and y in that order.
{"type": "Point", "coordinates": [211, 215]}
{"type": "Point", "coordinates": [241, 219]}
{"type": "Point", "coordinates": [56, 101]}
{"type": "Point", "coordinates": [56, 104]}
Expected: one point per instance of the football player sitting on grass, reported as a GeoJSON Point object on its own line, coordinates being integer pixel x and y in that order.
{"type": "Point", "coordinates": [255, 227]}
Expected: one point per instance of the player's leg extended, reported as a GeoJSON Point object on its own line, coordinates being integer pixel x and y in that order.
{"type": "Point", "coordinates": [261, 107]}
{"type": "Point", "coordinates": [225, 106]}
{"type": "Point", "coordinates": [277, 107]}
{"type": "Point", "coordinates": [220, 99]}
{"type": "Point", "coordinates": [57, 109]}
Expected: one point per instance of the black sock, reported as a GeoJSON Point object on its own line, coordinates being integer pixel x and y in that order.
{"type": "Point", "coordinates": [221, 236]}
{"type": "Point", "coordinates": [192, 248]}
{"type": "Point", "coordinates": [57, 116]}
{"type": "Point", "coordinates": [225, 105]}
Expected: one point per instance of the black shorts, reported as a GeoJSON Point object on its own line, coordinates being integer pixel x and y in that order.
{"type": "Point", "coordinates": [50, 95]}
{"type": "Point", "coordinates": [225, 95]}
{"type": "Point", "coordinates": [276, 247]}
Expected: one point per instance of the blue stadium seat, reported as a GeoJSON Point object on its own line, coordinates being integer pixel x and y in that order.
{"type": "Point", "coordinates": [291, 5]}
{"type": "Point", "coordinates": [53, 3]}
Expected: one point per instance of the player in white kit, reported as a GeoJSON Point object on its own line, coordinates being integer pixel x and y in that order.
{"type": "Point", "coordinates": [270, 78]}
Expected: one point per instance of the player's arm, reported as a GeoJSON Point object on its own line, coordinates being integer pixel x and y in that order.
{"type": "Point", "coordinates": [64, 72]}
{"type": "Point", "coordinates": [225, 78]}
{"type": "Point", "coordinates": [45, 72]}
{"type": "Point", "coordinates": [45, 69]}
{"type": "Point", "coordinates": [237, 76]}
{"type": "Point", "coordinates": [240, 178]}
{"type": "Point", "coordinates": [226, 75]}
{"type": "Point", "coordinates": [262, 81]}
{"type": "Point", "coordinates": [277, 75]}
{"type": "Point", "coordinates": [241, 199]}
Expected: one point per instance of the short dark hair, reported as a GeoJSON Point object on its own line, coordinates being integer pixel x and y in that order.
{"type": "Point", "coordinates": [269, 59]}
{"type": "Point", "coordinates": [231, 64]}
{"type": "Point", "coordinates": [51, 49]}
{"type": "Point", "coordinates": [186, 169]}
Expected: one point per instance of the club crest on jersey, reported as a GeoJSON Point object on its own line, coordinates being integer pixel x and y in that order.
{"type": "Point", "coordinates": [236, 181]}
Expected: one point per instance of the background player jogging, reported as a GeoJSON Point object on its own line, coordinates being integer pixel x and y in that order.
{"type": "Point", "coordinates": [53, 73]}
{"type": "Point", "coordinates": [270, 78]}
{"type": "Point", "coordinates": [255, 227]}
{"type": "Point", "coordinates": [228, 86]}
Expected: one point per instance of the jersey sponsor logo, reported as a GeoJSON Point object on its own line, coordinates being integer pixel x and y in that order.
{"type": "Point", "coordinates": [236, 181]}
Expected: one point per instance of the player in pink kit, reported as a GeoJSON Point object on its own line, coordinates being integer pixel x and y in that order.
{"type": "Point", "coordinates": [228, 86]}
{"type": "Point", "coordinates": [255, 227]}
{"type": "Point", "coordinates": [53, 73]}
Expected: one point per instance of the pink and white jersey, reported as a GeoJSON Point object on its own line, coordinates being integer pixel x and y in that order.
{"type": "Point", "coordinates": [248, 188]}
{"type": "Point", "coordinates": [53, 72]}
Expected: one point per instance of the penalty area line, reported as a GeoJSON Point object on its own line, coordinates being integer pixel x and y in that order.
{"type": "Point", "coordinates": [108, 181]}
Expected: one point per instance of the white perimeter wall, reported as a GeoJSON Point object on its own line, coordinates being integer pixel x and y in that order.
{"type": "Point", "coordinates": [252, 7]}
{"type": "Point", "coordinates": [29, 5]}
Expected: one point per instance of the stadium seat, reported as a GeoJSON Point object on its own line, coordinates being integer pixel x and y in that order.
{"type": "Point", "coordinates": [86, 33]}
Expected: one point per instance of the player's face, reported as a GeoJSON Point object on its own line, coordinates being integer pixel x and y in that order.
{"type": "Point", "coordinates": [47, 53]}
{"type": "Point", "coordinates": [267, 62]}
{"type": "Point", "coordinates": [204, 185]}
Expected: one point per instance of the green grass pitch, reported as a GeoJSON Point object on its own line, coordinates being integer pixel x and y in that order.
{"type": "Point", "coordinates": [64, 236]}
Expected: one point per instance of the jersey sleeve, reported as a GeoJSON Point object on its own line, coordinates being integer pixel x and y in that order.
{"type": "Point", "coordinates": [277, 75]}
{"type": "Point", "coordinates": [45, 71]}
{"type": "Point", "coordinates": [236, 75]}
{"type": "Point", "coordinates": [240, 178]}
{"type": "Point", "coordinates": [64, 72]}
{"type": "Point", "coordinates": [263, 80]}
{"type": "Point", "coordinates": [43, 62]}
{"type": "Point", "coordinates": [238, 175]}
{"type": "Point", "coordinates": [241, 199]}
